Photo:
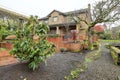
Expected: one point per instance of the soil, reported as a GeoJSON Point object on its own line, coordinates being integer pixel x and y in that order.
{"type": "Point", "coordinates": [60, 65]}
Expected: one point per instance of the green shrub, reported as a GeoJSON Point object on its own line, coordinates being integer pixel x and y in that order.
{"type": "Point", "coordinates": [107, 46]}
{"type": "Point", "coordinates": [2, 49]}
{"type": "Point", "coordinates": [115, 52]}
{"type": "Point", "coordinates": [63, 49]}
{"type": "Point", "coordinates": [53, 35]}
{"type": "Point", "coordinates": [91, 47]}
{"type": "Point", "coordinates": [29, 50]}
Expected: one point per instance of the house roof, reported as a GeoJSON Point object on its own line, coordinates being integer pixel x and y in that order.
{"type": "Point", "coordinates": [44, 18]}
{"type": "Point", "coordinates": [56, 11]}
{"type": "Point", "coordinates": [77, 11]}
{"type": "Point", "coordinates": [66, 13]}
{"type": "Point", "coordinates": [12, 13]}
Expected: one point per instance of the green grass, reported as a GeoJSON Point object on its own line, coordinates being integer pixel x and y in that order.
{"type": "Point", "coordinates": [101, 40]}
{"type": "Point", "coordinates": [88, 60]}
{"type": "Point", "coordinates": [2, 49]}
{"type": "Point", "coordinates": [74, 74]}
{"type": "Point", "coordinates": [93, 55]}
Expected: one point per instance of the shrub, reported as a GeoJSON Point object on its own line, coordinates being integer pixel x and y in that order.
{"type": "Point", "coordinates": [91, 47]}
{"type": "Point", "coordinates": [29, 50]}
{"type": "Point", "coordinates": [53, 35]}
{"type": "Point", "coordinates": [63, 49]}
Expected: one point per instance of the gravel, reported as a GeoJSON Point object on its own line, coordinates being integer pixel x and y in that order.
{"type": "Point", "coordinates": [60, 65]}
{"type": "Point", "coordinates": [57, 67]}
{"type": "Point", "coordinates": [101, 69]}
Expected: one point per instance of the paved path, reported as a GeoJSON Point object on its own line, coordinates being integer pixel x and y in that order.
{"type": "Point", "coordinates": [101, 69]}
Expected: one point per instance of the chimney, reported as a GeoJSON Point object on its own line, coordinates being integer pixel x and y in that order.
{"type": "Point", "coordinates": [89, 6]}
{"type": "Point", "coordinates": [89, 11]}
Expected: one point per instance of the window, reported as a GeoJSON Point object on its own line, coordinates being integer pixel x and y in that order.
{"type": "Point", "coordinates": [46, 21]}
{"type": "Point", "coordinates": [55, 19]}
{"type": "Point", "coordinates": [70, 19]}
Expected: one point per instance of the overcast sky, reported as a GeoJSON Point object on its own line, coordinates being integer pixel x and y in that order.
{"type": "Point", "coordinates": [44, 7]}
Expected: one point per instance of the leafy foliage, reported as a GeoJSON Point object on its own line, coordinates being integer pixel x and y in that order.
{"type": "Point", "coordinates": [27, 48]}
{"type": "Point", "coordinates": [94, 55]}
{"type": "Point", "coordinates": [74, 74]}
{"type": "Point", "coordinates": [63, 49]}
{"type": "Point", "coordinates": [6, 28]}
{"type": "Point", "coordinates": [115, 53]}
{"type": "Point", "coordinates": [106, 36]}
{"type": "Point", "coordinates": [3, 30]}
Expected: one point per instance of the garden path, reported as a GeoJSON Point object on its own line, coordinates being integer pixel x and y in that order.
{"type": "Point", "coordinates": [102, 69]}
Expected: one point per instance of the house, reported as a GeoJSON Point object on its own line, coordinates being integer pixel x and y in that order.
{"type": "Point", "coordinates": [72, 33]}
{"type": "Point", "coordinates": [115, 32]}
{"type": "Point", "coordinates": [6, 14]}
{"type": "Point", "coordinates": [63, 23]}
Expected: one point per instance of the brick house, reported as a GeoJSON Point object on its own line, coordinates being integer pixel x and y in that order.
{"type": "Point", "coordinates": [63, 23]}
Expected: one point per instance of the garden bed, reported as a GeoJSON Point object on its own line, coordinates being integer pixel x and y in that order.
{"type": "Point", "coordinates": [115, 53]}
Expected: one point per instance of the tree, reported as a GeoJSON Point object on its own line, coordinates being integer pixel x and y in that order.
{"type": "Point", "coordinates": [27, 48]}
{"type": "Point", "coordinates": [7, 27]}
{"type": "Point", "coordinates": [3, 29]}
{"type": "Point", "coordinates": [103, 12]}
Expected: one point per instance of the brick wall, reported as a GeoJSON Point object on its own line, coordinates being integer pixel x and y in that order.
{"type": "Point", "coordinates": [6, 45]}
{"type": "Point", "coordinates": [58, 41]}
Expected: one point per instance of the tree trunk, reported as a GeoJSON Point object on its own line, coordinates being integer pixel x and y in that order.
{"type": "Point", "coordinates": [90, 40]}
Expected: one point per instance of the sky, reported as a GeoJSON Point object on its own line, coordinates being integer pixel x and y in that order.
{"type": "Point", "coordinates": [43, 7]}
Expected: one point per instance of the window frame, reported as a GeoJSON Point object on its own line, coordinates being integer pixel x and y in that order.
{"type": "Point", "coordinates": [55, 19]}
